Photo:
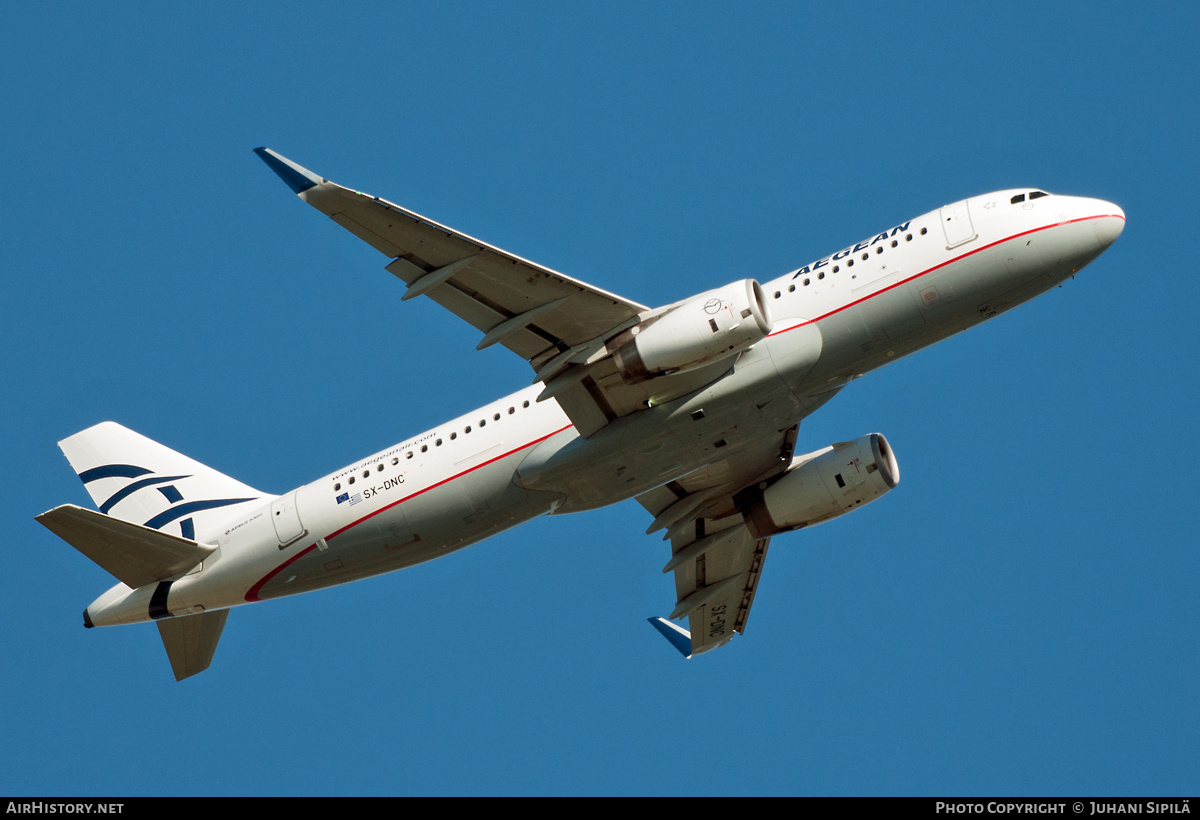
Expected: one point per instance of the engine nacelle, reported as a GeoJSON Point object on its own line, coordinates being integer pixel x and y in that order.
{"type": "Point", "coordinates": [709, 327]}
{"type": "Point", "coordinates": [823, 485]}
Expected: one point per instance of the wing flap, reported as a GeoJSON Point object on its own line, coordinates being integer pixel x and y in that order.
{"type": "Point", "coordinates": [484, 315]}
{"type": "Point", "coordinates": [716, 588]}
{"type": "Point", "coordinates": [134, 554]}
{"type": "Point", "coordinates": [716, 561]}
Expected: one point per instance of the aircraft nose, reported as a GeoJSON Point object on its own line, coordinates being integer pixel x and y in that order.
{"type": "Point", "coordinates": [1109, 226]}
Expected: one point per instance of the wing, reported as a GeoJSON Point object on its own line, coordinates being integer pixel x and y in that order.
{"type": "Point", "coordinates": [533, 311]}
{"type": "Point", "coordinates": [560, 325]}
{"type": "Point", "coordinates": [715, 585]}
{"type": "Point", "coordinates": [716, 560]}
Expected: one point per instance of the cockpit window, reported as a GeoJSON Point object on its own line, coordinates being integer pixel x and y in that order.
{"type": "Point", "coordinates": [1017, 198]}
{"type": "Point", "coordinates": [1037, 194]}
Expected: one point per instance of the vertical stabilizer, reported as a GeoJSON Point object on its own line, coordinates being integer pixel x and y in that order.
{"type": "Point", "coordinates": [135, 479]}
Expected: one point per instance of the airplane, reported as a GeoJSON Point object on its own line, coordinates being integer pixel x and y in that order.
{"type": "Point", "coordinates": [692, 408]}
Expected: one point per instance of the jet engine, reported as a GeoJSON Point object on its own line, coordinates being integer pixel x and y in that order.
{"type": "Point", "coordinates": [822, 485]}
{"type": "Point", "coordinates": [704, 329]}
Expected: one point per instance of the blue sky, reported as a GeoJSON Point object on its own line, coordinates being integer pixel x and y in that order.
{"type": "Point", "coordinates": [1019, 617]}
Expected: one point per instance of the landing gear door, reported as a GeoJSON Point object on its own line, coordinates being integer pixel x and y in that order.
{"type": "Point", "coordinates": [956, 222]}
{"type": "Point", "coordinates": [286, 518]}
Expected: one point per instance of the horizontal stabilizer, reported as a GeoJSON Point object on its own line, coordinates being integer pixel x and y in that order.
{"type": "Point", "coordinates": [190, 641]}
{"type": "Point", "coordinates": [136, 555]}
{"type": "Point", "coordinates": [679, 637]}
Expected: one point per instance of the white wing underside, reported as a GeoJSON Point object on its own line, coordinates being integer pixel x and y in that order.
{"type": "Point", "coordinates": [716, 561]}
{"type": "Point", "coordinates": [488, 288]}
{"type": "Point", "coordinates": [558, 324]}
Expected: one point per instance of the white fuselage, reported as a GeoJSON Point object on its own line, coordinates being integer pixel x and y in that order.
{"type": "Point", "coordinates": [516, 458]}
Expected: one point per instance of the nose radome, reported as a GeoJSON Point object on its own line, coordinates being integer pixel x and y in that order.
{"type": "Point", "coordinates": [1109, 225]}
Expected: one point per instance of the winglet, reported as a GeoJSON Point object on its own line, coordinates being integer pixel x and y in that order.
{"type": "Point", "coordinates": [679, 637]}
{"type": "Point", "coordinates": [297, 177]}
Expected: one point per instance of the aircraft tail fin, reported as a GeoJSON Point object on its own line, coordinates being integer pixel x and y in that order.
{"type": "Point", "coordinates": [190, 641]}
{"type": "Point", "coordinates": [135, 479]}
